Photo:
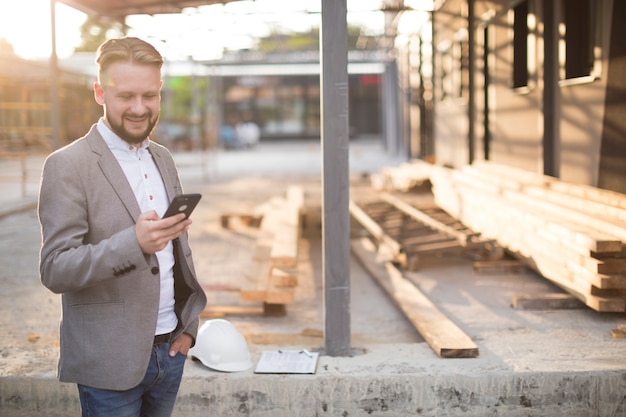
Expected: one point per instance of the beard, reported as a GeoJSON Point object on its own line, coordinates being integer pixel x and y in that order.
{"type": "Point", "coordinates": [133, 138]}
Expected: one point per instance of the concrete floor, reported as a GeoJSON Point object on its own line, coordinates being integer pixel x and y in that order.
{"type": "Point", "coordinates": [531, 363]}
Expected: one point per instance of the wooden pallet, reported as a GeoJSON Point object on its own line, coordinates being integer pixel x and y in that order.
{"type": "Point", "coordinates": [408, 232]}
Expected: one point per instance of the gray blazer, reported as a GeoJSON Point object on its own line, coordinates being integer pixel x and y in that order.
{"type": "Point", "coordinates": [90, 255]}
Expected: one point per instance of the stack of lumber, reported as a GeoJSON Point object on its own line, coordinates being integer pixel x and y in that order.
{"type": "Point", "coordinates": [405, 177]}
{"type": "Point", "coordinates": [271, 277]}
{"type": "Point", "coordinates": [571, 234]}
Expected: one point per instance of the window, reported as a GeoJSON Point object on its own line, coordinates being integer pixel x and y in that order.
{"type": "Point", "coordinates": [578, 32]}
{"type": "Point", "coordinates": [520, 45]}
{"type": "Point", "coordinates": [445, 61]}
{"type": "Point", "coordinates": [463, 88]}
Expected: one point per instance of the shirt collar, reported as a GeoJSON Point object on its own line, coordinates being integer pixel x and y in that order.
{"type": "Point", "coordinates": [113, 141]}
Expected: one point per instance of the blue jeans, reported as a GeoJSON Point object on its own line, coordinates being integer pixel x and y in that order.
{"type": "Point", "coordinates": [153, 397]}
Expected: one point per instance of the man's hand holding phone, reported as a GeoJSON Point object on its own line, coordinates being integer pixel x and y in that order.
{"type": "Point", "coordinates": [154, 233]}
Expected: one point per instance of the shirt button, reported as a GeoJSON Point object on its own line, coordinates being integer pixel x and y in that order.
{"type": "Point", "coordinates": [154, 270]}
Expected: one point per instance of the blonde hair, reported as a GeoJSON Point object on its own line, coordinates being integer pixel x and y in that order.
{"type": "Point", "coordinates": [133, 50]}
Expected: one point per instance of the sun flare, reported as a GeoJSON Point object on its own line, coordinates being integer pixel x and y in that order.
{"type": "Point", "coordinates": [25, 24]}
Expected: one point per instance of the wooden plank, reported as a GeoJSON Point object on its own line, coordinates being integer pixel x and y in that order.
{"type": "Point", "coordinates": [266, 309]}
{"type": "Point", "coordinates": [430, 247]}
{"type": "Point", "coordinates": [216, 311]}
{"type": "Point", "coordinates": [277, 294]}
{"type": "Point", "coordinates": [580, 237]}
{"type": "Point", "coordinates": [565, 214]}
{"type": "Point", "coordinates": [499, 266]}
{"type": "Point", "coordinates": [256, 274]}
{"type": "Point", "coordinates": [443, 336]}
{"type": "Point", "coordinates": [549, 301]}
{"type": "Point", "coordinates": [593, 200]}
{"type": "Point", "coordinates": [423, 239]}
{"type": "Point", "coordinates": [274, 310]}
{"type": "Point", "coordinates": [404, 177]}
{"type": "Point", "coordinates": [604, 281]}
{"type": "Point", "coordinates": [590, 208]}
{"type": "Point", "coordinates": [266, 208]}
{"type": "Point", "coordinates": [284, 277]}
{"type": "Point", "coordinates": [285, 244]}
{"type": "Point", "coordinates": [607, 198]}
{"type": "Point", "coordinates": [618, 334]}
{"type": "Point", "coordinates": [605, 266]}
{"type": "Point", "coordinates": [305, 338]}
{"type": "Point", "coordinates": [295, 195]}
{"type": "Point", "coordinates": [235, 220]}
{"type": "Point", "coordinates": [283, 220]}
{"type": "Point", "coordinates": [576, 228]}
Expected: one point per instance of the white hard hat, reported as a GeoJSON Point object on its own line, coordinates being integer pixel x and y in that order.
{"type": "Point", "coordinates": [220, 346]}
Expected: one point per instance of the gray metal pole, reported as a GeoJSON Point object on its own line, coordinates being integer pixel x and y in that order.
{"type": "Point", "coordinates": [335, 177]}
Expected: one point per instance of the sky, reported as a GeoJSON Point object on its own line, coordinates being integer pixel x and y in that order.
{"type": "Point", "coordinates": [201, 33]}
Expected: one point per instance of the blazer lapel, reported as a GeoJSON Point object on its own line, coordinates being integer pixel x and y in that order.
{"type": "Point", "coordinates": [164, 170]}
{"type": "Point", "coordinates": [113, 172]}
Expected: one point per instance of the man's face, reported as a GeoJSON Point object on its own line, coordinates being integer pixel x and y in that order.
{"type": "Point", "coordinates": [130, 95]}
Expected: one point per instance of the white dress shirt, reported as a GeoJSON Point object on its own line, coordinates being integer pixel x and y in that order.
{"type": "Point", "coordinates": [145, 180]}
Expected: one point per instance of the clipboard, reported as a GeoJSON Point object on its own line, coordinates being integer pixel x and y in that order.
{"type": "Point", "coordinates": [287, 362]}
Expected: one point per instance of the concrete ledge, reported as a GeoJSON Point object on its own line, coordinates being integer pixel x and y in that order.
{"type": "Point", "coordinates": [394, 380]}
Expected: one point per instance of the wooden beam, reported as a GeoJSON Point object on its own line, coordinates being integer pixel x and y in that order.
{"type": "Point", "coordinates": [548, 301]}
{"type": "Point", "coordinates": [216, 311]}
{"type": "Point", "coordinates": [499, 266]}
{"type": "Point", "coordinates": [443, 336]}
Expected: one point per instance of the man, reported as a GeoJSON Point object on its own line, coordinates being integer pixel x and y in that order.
{"type": "Point", "coordinates": [130, 296]}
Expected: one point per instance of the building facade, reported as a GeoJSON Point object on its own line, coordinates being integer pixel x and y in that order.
{"type": "Point", "coordinates": [533, 84]}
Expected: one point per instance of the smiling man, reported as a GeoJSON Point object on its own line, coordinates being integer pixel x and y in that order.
{"type": "Point", "coordinates": [130, 296]}
{"type": "Point", "coordinates": [130, 95]}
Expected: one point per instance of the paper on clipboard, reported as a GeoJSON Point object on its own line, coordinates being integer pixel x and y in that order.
{"type": "Point", "coordinates": [287, 362]}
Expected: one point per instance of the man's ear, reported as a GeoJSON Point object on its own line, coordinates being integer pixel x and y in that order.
{"type": "Point", "coordinates": [98, 93]}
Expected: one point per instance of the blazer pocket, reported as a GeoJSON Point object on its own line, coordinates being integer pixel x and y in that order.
{"type": "Point", "coordinates": [98, 326]}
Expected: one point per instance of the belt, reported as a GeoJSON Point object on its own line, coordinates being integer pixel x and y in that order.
{"type": "Point", "coordinates": [162, 338]}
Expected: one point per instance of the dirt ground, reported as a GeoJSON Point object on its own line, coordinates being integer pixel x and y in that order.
{"type": "Point", "coordinates": [222, 254]}
{"type": "Point", "coordinates": [32, 313]}
{"type": "Point", "coordinates": [564, 360]}
{"type": "Point", "coordinates": [516, 339]}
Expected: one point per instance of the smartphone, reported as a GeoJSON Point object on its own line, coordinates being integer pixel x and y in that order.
{"type": "Point", "coordinates": [183, 203]}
